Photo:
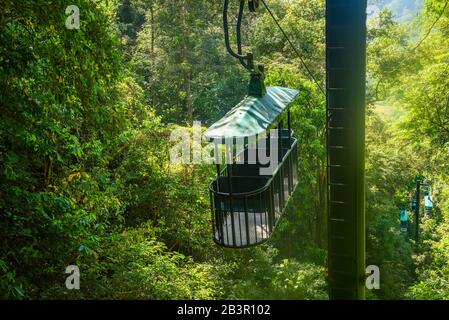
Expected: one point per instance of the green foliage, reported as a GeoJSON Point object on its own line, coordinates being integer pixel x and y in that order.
{"type": "Point", "coordinates": [294, 280]}
{"type": "Point", "coordinates": [389, 178]}
{"type": "Point", "coordinates": [59, 117]}
{"type": "Point", "coordinates": [134, 265]}
{"type": "Point", "coordinates": [257, 274]}
{"type": "Point", "coordinates": [182, 64]}
{"type": "Point", "coordinates": [388, 55]}
{"type": "Point", "coordinates": [304, 22]}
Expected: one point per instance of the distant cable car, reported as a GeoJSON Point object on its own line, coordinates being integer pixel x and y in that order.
{"type": "Point", "coordinates": [404, 220]}
{"type": "Point", "coordinates": [414, 205]}
{"type": "Point", "coordinates": [428, 205]}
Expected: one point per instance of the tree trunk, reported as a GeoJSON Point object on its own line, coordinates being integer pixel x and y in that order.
{"type": "Point", "coordinates": [152, 54]}
{"type": "Point", "coordinates": [186, 65]}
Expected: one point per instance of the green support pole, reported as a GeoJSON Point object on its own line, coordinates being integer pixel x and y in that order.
{"type": "Point", "coordinates": [345, 88]}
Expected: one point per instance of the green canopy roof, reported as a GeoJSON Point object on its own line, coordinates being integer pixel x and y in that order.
{"type": "Point", "coordinates": [253, 115]}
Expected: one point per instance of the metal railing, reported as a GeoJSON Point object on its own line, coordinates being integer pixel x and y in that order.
{"type": "Point", "coordinates": [248, 215]}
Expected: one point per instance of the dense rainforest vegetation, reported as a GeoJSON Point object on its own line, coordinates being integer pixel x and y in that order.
{"type": "Point", "coordinates": [85, 175]}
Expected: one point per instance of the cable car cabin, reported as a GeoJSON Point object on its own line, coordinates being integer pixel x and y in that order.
{"type": "Point", "coordinates": [413, 205]}
{"type": "Point", "coordinates": [428, 205]}
{"type": "Point", "coordinates": [250, 193]}
{"type": "Point", "coordinates": [404, 221]}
